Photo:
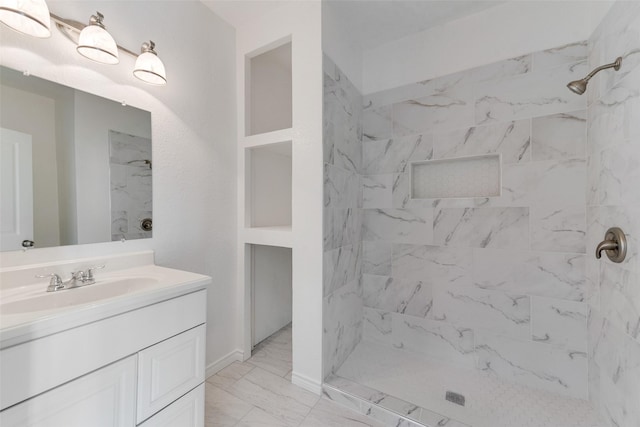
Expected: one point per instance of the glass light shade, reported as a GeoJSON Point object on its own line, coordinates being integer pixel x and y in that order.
{"type": "Point", "coordinates": [29, 17]}
{"type": "Point", "coordinates": [97, 44]}
{"type": "Point", "coordinates": [150, 69]}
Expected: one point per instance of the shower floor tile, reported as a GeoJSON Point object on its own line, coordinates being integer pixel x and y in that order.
{"type": "Point", "coordinates": [489, 401]}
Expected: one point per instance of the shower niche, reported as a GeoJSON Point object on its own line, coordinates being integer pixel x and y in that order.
{"type": "Point", "coordinates": [464, 177]}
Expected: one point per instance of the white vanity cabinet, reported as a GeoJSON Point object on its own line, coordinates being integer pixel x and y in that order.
{"type": "Point", "coordinates": [105, 398]}
{"type": "Point", "coordinates": [169, 370]}
{"type": "Point", "coordinates": [141, 367]}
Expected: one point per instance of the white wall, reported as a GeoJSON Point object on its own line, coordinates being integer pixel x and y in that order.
{"type": "Point", "coordinates": [338, 45]}
{"type": "Point", "coordinates": [508, 30]}
{"type": "Point", "coordinates": [193, 130]}
{"type": "Point", "coordinates": [34, 115]}
{"type": "Point", "coordinates": [65, 156]}
{"type": "Point", "coordinates": [94, 118]}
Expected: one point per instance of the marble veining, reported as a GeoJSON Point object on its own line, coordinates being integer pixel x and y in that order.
{"type": "Point", "coordinates": [511, 139]}
{"type": "Point", "coordinates": [398, 226]}
{"type": "Point", "coordinates": [534, 273]}
{"type": "Point", "coordinates": [559, 229]}
{"type": "Point", "coordinates": [377, 326]}
{"type": "Point", "coordinates": [482, 228]}
{"type": "Point", "coordinates": [377, 257]}
{"type": "Point", "coordinates": [559, 136]}
{"type": "Point", "coordinates": [558, 322]}
{"type": "Point", "coordinates": [394, 155]}
{"type": "Point", "coordinates": [537, 93]}
{"type": "Point", "coordinates": [342, 216]}
{"type": "Point", "coordinates": [412, 297]}
{"type": "Point", "coordinates": [567, 54]}
{"type": "Point", "coordinates": [130, 170]}
{"type": "Point", "coordinates": [442, 111]}
{"type": "Point", "coordinates": [440, 340]}
{"type": "Point", "coordinates": [499, 312]}
{"type": "Point", "coordinates": [549, 368]}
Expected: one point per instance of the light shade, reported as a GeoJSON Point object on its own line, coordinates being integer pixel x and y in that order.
{"type": "Point", "coordinates": [26, 16]}
{"type": "Point", "coordinates": [149, 68]}
{"type": "Point", "coordinates": [96, 43]}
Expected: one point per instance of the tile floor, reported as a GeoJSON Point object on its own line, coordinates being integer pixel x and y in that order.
{"type": "Point", "coordinates": [259, 392]}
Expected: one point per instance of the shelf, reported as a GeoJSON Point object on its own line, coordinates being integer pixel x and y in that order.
{"type": "Point", "coordinates": [269, 138]}
{"type": "Point", "coordinates": [269, 89]}
{"type": "Point", "coordinates": [268, 185]}
{"type": "Point", "coordinates": [280, 236]}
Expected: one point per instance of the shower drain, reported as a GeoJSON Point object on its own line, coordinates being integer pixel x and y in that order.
{"type": "Point", "coordinates": [456, 398]}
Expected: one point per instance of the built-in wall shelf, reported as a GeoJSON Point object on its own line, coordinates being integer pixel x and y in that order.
{"type": "Point", "coordinates": [275, 55]}
{"type": "Point", "coordinates": [268, 171]}
{"type": "Point", "coordinates": [280, 236]}
{"type": "Point", "coordinates": [269, 138]}
{"type": "Point", "coordinates": [268, 86]}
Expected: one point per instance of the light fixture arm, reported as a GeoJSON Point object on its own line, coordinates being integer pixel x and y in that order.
{"type": "Point", "coordinates": [615, 65]}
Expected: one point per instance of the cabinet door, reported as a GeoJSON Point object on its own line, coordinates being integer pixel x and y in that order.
{"type": "Point", "coordinates": [104, 398]}
{"type": "Point", "coordinates": [168, 370]}
{"type": "Point", "coordinates": [188, 411]}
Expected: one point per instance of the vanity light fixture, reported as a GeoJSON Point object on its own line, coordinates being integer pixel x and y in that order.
{"type": "Point", "coordinates": [149, 68]}
{"type": "Point", "coordinates": [29, 17]}
{"type": "Point", "coordinates": [32, 17]}
{"type": "Point", "coordinates": [96, 43]}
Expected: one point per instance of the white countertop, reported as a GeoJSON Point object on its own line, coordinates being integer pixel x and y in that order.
{"type": "Point", "coordinates": [166, 283]}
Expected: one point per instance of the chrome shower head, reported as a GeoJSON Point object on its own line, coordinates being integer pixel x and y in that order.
{"type": "Point", "coordinates": [580, 86]}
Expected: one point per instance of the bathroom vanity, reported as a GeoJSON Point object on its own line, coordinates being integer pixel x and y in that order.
{"type": "Point", "coordinates": [128, 350]}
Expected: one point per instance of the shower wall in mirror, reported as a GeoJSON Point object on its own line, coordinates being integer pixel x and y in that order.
{"type": "Point", "coordinates": [130, 170]}
{"type": "Point", "coordinates": [77, 142]}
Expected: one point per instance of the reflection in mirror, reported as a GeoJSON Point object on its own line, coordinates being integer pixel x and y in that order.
{"type": "Point", "coordinates": [74, 167]}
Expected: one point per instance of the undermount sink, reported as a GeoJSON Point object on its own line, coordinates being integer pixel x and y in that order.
{"type": "Point", "coordinates": [101, 290]}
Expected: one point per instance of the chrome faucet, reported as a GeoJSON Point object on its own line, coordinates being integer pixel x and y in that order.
{"type": "Point", "coordinates": [78, 278]}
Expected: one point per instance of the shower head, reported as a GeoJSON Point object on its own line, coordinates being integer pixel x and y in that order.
{"type": "Point", "coordinates": [580, 86]}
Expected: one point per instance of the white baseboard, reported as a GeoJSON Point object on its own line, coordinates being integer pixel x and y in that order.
{"type": "Point", "coordinates": [306, 383]}
{"type": "Point", "coordinates": [223, 362]}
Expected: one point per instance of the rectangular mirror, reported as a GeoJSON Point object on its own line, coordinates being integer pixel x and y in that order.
{"type": "Point", "coordinates": [75, 168]}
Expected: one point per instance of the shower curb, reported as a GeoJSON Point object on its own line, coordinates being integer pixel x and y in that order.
{"type": "Point", "coordinates": [414, 417]}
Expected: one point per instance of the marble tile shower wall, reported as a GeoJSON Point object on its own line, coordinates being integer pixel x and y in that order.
{"type": "Point", "coordinates": [613, 199]}
{"type": "Point", "coordinates": [131, 185]}
{"type": "Point", "coordinates": [497, 283]}
{"type": "Point", "coordinates": [342, 142]}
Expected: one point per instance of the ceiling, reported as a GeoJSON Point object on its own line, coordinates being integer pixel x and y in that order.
{"type": "Point", "coordinates": [238, 12]}
{"type": "Point", "coordinates": [369, 23]}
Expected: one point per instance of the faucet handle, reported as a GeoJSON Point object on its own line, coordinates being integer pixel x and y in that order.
{"type": "Point", "coordinates": [55, 283]}
{"type": "Point", "coordinates": [90, 270]}
{"type": "Point", "coordinates": [54, 277]}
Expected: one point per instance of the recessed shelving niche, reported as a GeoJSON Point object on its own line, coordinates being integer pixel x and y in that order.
{"type": "Point", "coordinates": [464, 177]}
{"type": "Point", "coordinates": [269, 171]}
{"type": "Point", "coordinates": [268, 90]}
